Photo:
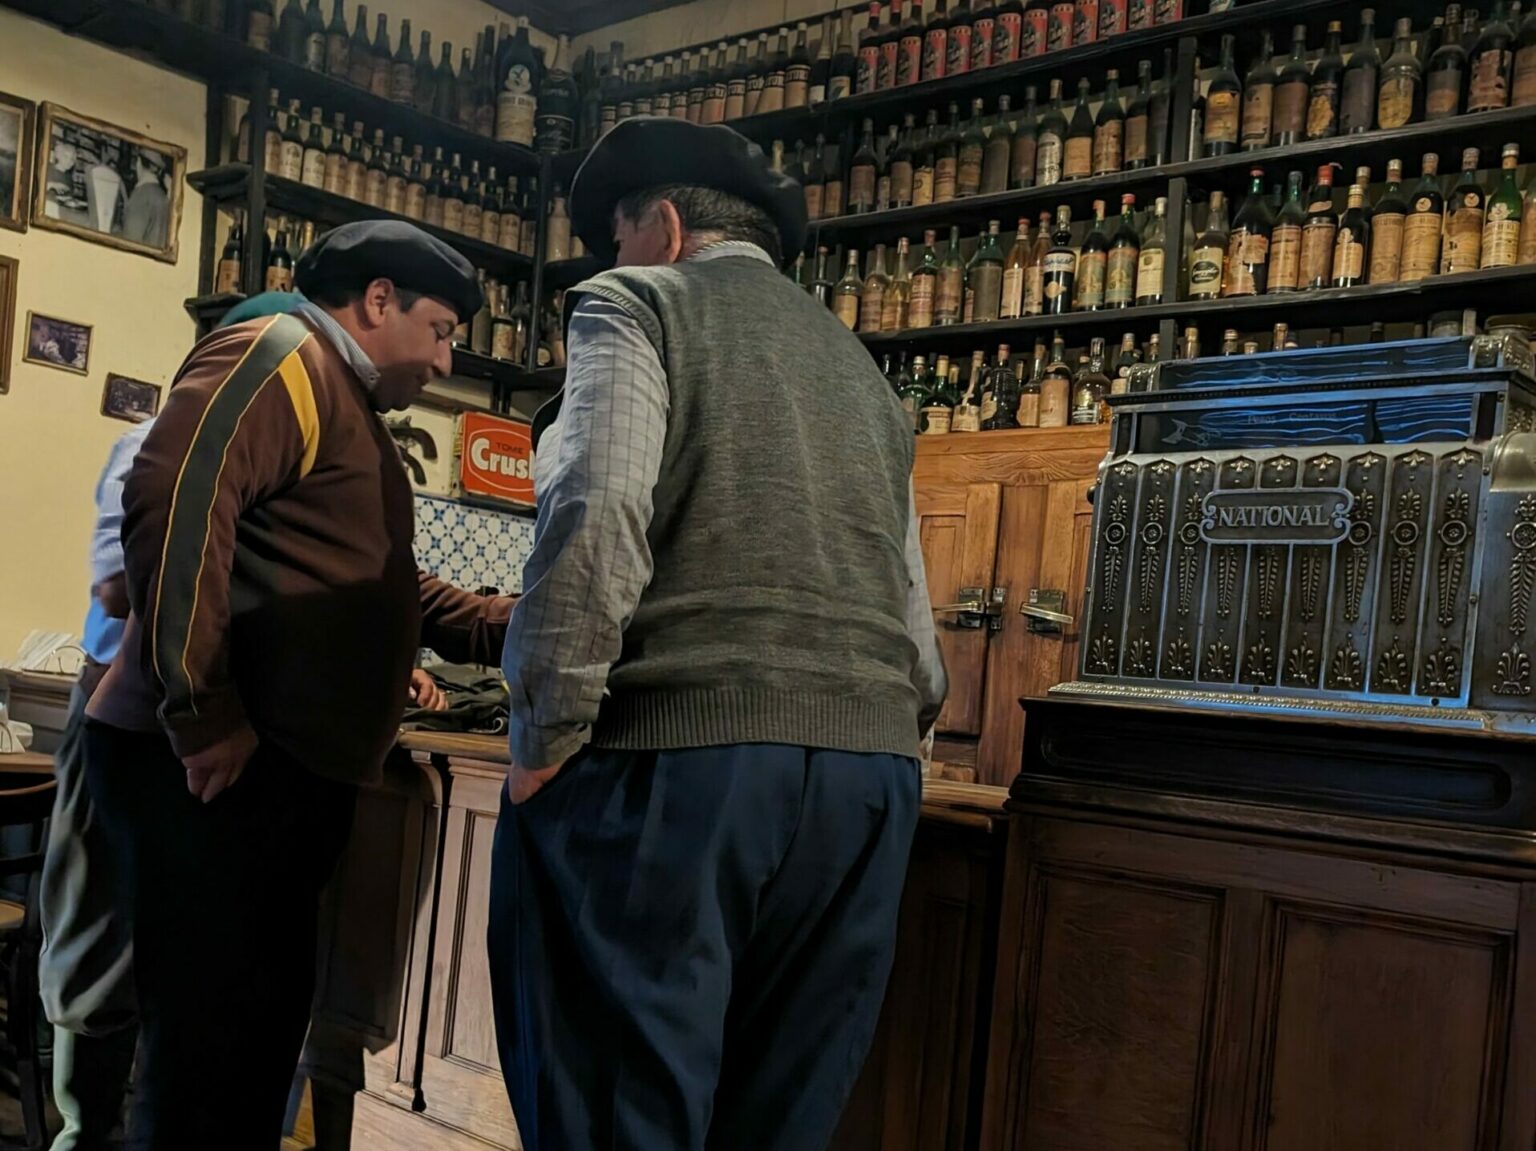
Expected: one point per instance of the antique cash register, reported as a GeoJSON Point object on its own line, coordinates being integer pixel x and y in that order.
{"type": "Point", "coordinates": [1336, 529]}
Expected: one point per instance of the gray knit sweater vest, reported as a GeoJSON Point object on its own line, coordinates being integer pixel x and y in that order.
{"type": "Point", "coordinates": [777, 612]}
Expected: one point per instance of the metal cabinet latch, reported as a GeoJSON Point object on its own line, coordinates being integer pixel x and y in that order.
{"type": "Point", "coordinates": [1042, 611]}
{"type": "Point", "coordinates": [978, 607]}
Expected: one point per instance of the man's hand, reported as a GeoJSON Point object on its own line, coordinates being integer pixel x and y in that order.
{"type": "Point", "coordinates": [112, 594]}
{"type": "Point", "coordinates": [214, 769]}
{"type": "Point", "coordinates": [425, 692]}
{"type": "Point", "coordinates": [524, 783]}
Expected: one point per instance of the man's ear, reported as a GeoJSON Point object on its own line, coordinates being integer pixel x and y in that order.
{"type": "Point", "coordinates": [673, 223]}
{"type": "Point", "coordinates": [376, 298]}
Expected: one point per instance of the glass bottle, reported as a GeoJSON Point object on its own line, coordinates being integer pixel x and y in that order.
{"type": "Point", "coordinates": [1209, 256]}
{"type": "Point", "coordinates": [821, 281]}
{"type": "Point", "coordinates": [1387, 219]}
{"type": "Point", "coordinates": [1124, 252]}
{"type": "Point", "coordinates": [997, 155]}
{"type": "Point", "coordinates": [757, 80]}
{"type": "Point", "coordinates": [1158, 139]}
{"type": "Point", "coordinates": [1523, 90]}
{"type": "Point", "coordinates": [946, 163]}
{"type": "Point", "coordinates": [1357, 102]}
{"type": "Point", "coordinates": [1501, 226]}
{"type": "Point", "coordinates": [259, 25]}
{"type": "Point", "coordinates": [1247, 270]}
{"type": "Point", "coordinates": [847, 292]}
{"type": "Point", "coordinates": [1285, 240]}
{"type": "Point", "coordinates": [862, 173]}
{"type": "Point", "coordinates": [557, 245]}
{"type": "Point", "coordinates": [937, 412]}
{"type": "Point", "coordinates": [1318, 233]}
{"type": "Point", "coordinates": [797, 74]}
{"type": "Point", "coordinates": [1446, 75]}
{"type": "Point", "coordinates": [1291, 92]}
{"type": "Point", "coordinates": [381, 78]}
{"type": "Point", "coordinates": [1527, 253]}
{"type": "Point", "coordinates": [402, 72]}
{"type": "Point", "coordinates": [1059, 270]}
{"type": "Point", "coordinates": [1056, 386]}
{"type": "Point", "coordinates": [291, 162]}
{"type": "Point", "coordinates": [312, 165]}
{"type": "Point", "coordinates": [1091, 387]}
{"type": "Point", "coordinates": [1024, 145]}
{"type": "Point", "coordinates": [1028, 414]}
{"type": "Point", "coordinates": [280, 263]}
{"type": "Point", "coordinates": [1465, 213]}
{"type": "Point", "coordinates": [1092, 260]}
{"type": "Point", "coordinates": [424, 86]}
{"type": "Point", "coordinates": [1492, 58]}
{"type": "Point", "coordinates": [1259, 99]}
{"type": "Point", "coordinates": [1398, 95]}
{"type": "Point", "coordinates": [1223, 105]}
{"type": "Point", "coordinates": [1352, 241]}
{"type": "Point", "coordinates": [958, 36]}
{"type": "Point", "coordinates": [1152, 262]}
{"type": "Point", "coordinates": [1051, 141]}
{"type": "Point", "coordinates": [357, 167]}
{"type": "Point", "coordinates": [845, 64]}
{"type": "Point", "coordinates": [999, 391]}
{"type": "Point", "coordinates": [1136, 119]}
{"type": "Point", "coordinates": [1077, 157]}
{"type": "Point", "coordinates": [1327, 82]}
{"type": "Point", "coordinates": [314, 38]}
{"type": "Point", "coordinates": [903, 166]}
{"type": "Point", "coordinates": [984, 278]}
{"type": "Point", "coordinates": [1015, 269]}
{"type": "Point", "coordinates": [230, 262]}
{"type": "Point", "coordinates": [1423, 225]}
{"type": "Point", "coordinates": [911, 388]}
{"type": "Point", "coordinates": [925, 284]}
{"type": "Point", "coordinates": [872, 296]}
{"type": "Point", "coordinates": [292, 30]}
{"type": "Point", "coordinates": [1109, 129]}
{"type": "Point", "coordinates": [949, 290]}
{"type": "Point", "coordinates": [1129, 357]}
{"type": "Point", "coordinates": [972, 151]}
{"type": "Point", "coordinates": [1034, 271]}
{"type": "Point", "coordinates": [898, 293]}
{"type": "Point", "coordinates": [967, 415]}
{"type": "Point", "coordinates": [924, 150]}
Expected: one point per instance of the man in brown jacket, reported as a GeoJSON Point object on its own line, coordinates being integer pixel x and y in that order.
{"type": "Point", "coordinates": [277, 611]}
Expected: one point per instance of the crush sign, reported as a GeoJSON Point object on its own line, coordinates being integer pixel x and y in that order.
{"type": "Point", "coordinates": [495, 459]}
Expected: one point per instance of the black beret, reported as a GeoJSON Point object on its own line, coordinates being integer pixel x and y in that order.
{"type": "Point", "coordinates": [354, 255]}
{"type": "Point", "coordinates": [649, 151]}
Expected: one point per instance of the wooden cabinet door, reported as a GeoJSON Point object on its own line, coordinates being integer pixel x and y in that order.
{"type": "Point", "coordinates": [1043, 542]}
{"type": "Point", "coordinates": [957, 524]}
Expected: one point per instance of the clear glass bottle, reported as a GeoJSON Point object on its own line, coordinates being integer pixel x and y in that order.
{"type": "Point", "coordinates": [872, 300]}
{"type": "Point", "coordinates": [847, 291]}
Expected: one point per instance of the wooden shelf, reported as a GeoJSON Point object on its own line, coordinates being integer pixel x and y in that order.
{"type": "Point", "coordinates": [505, 374]}
{"type": "Point", "coordinates": [227, 183]}
{"type": "Point", "coordinates": [1330, 307]}
{"type": "Point", "coordinates": [567, 273]}
{"type": "Point", "coordinates": [227, 61]}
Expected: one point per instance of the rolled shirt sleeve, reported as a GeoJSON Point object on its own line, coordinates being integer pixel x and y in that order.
{"type": "Point", "coordinates": [591, 558]}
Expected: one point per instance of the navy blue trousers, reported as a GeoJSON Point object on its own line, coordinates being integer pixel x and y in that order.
{"type": "Point", "coordinates": [689, 949]}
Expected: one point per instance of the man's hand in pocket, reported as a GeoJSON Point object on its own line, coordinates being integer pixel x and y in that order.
{"type": "Point", "coordinates": [215, 769]}
{"type": "Point", "coordinates": [524, 783]}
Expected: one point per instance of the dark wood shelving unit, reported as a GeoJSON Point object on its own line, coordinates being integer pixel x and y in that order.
{"type": "Point", "coordinates": [560, 274]}
{"type": "Point", "coordinates": [1327, 307]}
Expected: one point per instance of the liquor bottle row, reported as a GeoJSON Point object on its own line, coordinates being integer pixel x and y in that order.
{"type": "Point", "coordinates": [434, 190]}
{"type": "Point", "coordinates": [1465, 68]}
{"type": "Point", "coordinates": [1401, 239]}
{"type": "Point", "coordinates": [898, 46]}
{"type": "Point", "coordinates": [500, 328]}
{"type": "Point", "coordinates": [1045, 392]}
{"type": "Point", "coordinates": [274, 250]}
{"type": "Point", "coordinates": [1044, 274]}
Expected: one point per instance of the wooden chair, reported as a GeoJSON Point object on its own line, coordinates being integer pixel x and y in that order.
{"type": "Point", "coordinates": [26, 801]}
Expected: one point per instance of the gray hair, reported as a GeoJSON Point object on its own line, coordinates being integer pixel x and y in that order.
{"type": "Point", "coordinates": [709, 211]}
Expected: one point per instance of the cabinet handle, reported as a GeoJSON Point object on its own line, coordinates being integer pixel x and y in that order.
{"type": "Point", "coordinates": [1046, 614]}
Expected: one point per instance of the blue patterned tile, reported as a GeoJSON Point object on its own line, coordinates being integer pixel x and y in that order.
{"type": "Point", "coordinates": [472, 547]}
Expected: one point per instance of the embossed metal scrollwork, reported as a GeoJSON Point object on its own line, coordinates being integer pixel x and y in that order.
{"type": "Point", "coordinates": [1139, 656]}
{"type": "Point", "coordinates": [1102, 654]}
{"type": "Point", "coordinates": [1152, 533]}
{"type": "Point", "coordinates": [1346, 671]}
{"type": "Point", "coordinates": [1392, 669]}
{"type": "Point", "coordinates": [1218, 660]}
{"type": "Point", "coordinates": [1514, 672]}
{"type": "Point", "coordinates": [1259, 666]}
{"type": "Point", "coordinates": [1522, 567]}
{"type": "Point", "coordinates": [1455, 531]}
{"type": "Point", "coordinates": [1357, 564]}
{"type": "Point", "coordinates": [1311, 585]}
{"type": "Point", "coordinates": [1267, 565]}
{"type": "Point", "coordinates": [1442, 670]}
{"type": "Point", "coordinates": [1405, 557]}
{"type": "Point", "coordinates": [1180, 660]}
{"type": "Point", "coordinates": [1116, 532]}
{"type": "Point", "coordinates": [1301, 666]}
{"type": "Point", "coordinates": [1228, 562]}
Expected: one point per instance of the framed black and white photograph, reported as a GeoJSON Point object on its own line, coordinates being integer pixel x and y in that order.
{"type": "Point", "coordinates": [16, 117]}
{"type": "Point", "coordinates": [58, 343]}
{"type": "Point", "coordinates": [8, 267]}
{"type": "Point", "coordinates": [107, 184]}
{"type": "Point", "coordinates": [131, 400]}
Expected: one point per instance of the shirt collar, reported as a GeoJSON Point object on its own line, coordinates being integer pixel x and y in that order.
{"type": "Point", "coordinates": [341, 340]}
{"type": "Point", "coordinates": [731, 248]}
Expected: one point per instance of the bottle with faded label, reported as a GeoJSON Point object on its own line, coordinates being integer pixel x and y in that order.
{"type": "Point", "coordinates": [1124, 251]}
{"type": "Point", "coordinates": [1109, 128]}
{"type": "Point", "coordinates": [1387, 220]}
{"type": "Point", "coordinates": [1492, 58]}
{"type": "Point", "coordinates": [1501, 227]}
{"type": "Point", "coordinates": [1028, 413]}
{"type": "Point", "coordinates": [1350, 244]}
{"type": "Point", "coordinates": [1290, 115]}
{"type": "Point", "coordinates": [1324, 91]}
{"type": "Point", "coordinates": [1014, 272]}
{"type": "Point", "coordinates": [1051, 140]}
{"type": "Point", "coordinates": [1077, 157]}
{"type": "Point", "coordinates": [924, 284]}
{"type": "Point", "coordinates": [1247, 268]}
{"type": "Point", "coordinates": [1092, 264]}
{"type": "Point", "coordinates": [1464, 215]}
{"type": "Point", "coordinates": [1059, 269]}
{"type": "Point", "coordinates": [1400, 79]}
{"type": "Point", "coordinates": [1223, 105]}
{"type": "Point", "coordinates": [1152, 261]}
{"type": "Point", "coordinates": [1034, 271]}
{"type": "Point", "coordinates": [1319, 232]}
{"type": "Point", "coordinates": [949, 289]}
{"type": "Point", "coordinates": [1357, 102]}
{"type": "Point", "coordinates": [983, 31]}
{"type": "Point", "coordinates": [1137, 118]}
{"type": "Point", "coordinates": [1113, 18]}
{"type": "Point", "coordinates": [1423, 224]}
{"type": "Point", "coordinates": [1140, 15]}
{"type": "Point", "coordinates": [1446, 74]}
{"type": "Point", "coordinates": [1523, 91]}
{"type": "Point", "coordinates": [872, 299]}
{"type": "Point", "coordinates": [1056, 386]}
{"type": "Point", "coordinates": [897, 305]}
{"type": "Point", "coordinates": [984, 277]}
{"type": "Point", "coordinates": [1167, 11]}
{"type": "Point", "coordinates": [847, 292]}
{"type": "Point", "coordinates": [972, 152]}
{"type": "Point", "coordinates": [946, 164]}
{"type": "Point", "coordinates": [1285, 240]}
{"type": "Point", "coordinates": [1259, 99]}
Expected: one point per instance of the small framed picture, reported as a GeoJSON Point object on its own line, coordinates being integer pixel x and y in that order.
{"type": "Point", "coordinates": [16, 117]}
{"type": "Point", "coordinates": [107, 184]}
{"type": "Point", "coordinates": [58, 343]}
{"type": "Point", "coordinates": [131, 400]}
{"type": "Point", "coordinates": [8, 268]}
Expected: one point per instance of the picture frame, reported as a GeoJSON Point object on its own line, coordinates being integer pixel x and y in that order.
{"type": "Point", "coordinates": [9, 269]}
{"type": "Point", "coordinates": [128, 399]}
{"type": "Point", "coordinates": [56, 343]}
{"type": "Point", "coordinates": [17, 118]}
{"type": "Point", "coordinates": [107, 184]}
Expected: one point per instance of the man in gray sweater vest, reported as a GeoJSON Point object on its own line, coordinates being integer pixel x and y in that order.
{"type": "Point", "coordinates": [720, 670]}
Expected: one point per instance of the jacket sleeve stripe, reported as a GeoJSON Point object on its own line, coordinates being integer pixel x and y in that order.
{"type": "Point", "coordinates": [192, 502]}
{"type": "Point", "coordinates": [301, 393]}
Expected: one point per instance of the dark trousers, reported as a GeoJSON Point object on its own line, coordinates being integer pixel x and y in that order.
{"type": "Point", "coordinates": [689, 949]}
{"type": "Point", "coordinates": [225, 903]}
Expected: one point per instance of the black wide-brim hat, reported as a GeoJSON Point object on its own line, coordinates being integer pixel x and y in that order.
{"type": "Point", "coordinates": [651, 151]}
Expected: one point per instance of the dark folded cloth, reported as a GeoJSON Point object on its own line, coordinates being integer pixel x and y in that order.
{"type": "Point", "coordinates": [477, 702]}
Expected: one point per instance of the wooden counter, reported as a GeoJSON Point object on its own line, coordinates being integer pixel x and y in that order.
{"type": "Point", "coordinates": [405, 1053]}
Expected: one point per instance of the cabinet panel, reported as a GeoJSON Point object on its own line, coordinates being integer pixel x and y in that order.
{"type": "Point", "coordinates": [958, 529]}
{"type": "Point", "coordinates": [1383, 1033]}
{"type": "Point", "coordinates": [1124, 979]}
